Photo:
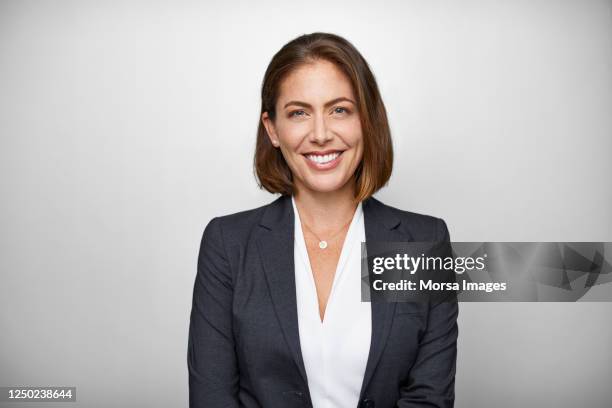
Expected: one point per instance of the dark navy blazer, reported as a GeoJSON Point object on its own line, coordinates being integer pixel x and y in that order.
{"type": "Point", "coordinates": [244, 345]}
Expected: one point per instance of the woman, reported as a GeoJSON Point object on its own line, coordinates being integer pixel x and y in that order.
{"type": "Point", "coordinates": [277, 317]}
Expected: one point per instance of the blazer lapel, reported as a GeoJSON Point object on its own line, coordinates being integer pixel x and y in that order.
{"type": "Point", "coordinates": [380, 225]}
{"type": "Point", "coordinates": [276, 250]}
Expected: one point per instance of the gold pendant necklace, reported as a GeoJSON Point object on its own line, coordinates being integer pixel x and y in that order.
{"type": "Point", "coordinates": [323, 243]}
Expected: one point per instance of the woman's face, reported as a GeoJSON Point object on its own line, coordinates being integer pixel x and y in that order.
{"type": "Point", "coordinates": [317, 127]}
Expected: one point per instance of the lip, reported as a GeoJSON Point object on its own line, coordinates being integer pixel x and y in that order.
{"type": "Point", "coordinates": [324, 166]}
{"type": "Point", "coordinates": [324, 152]}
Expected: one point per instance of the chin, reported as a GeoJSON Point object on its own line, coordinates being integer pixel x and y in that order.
{"type": "Point", "coordinates": [325, 186]}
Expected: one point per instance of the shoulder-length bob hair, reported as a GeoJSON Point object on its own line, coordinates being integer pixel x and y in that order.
{"type": "Point", "coordinates": [374, 170]}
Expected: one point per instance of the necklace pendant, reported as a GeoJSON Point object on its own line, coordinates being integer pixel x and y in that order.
{"type": "Point", "coordinates": [322, 244]}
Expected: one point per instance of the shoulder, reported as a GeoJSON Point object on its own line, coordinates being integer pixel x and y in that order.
{"type": "Point", "coordinates": [422, 227]}
{"type": "Point", "coordinates": [239, 225]}
{"type": "Point", "coordinates": [235, 224]}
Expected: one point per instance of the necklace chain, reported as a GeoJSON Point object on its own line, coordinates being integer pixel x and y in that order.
{"type": "Point", "coordinates": [323, 243]}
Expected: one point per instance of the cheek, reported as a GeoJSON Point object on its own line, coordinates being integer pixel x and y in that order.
{"type": "Point", "coordinates": [350, 131]}
{"type": "Point", "coordinates": [291, 133]}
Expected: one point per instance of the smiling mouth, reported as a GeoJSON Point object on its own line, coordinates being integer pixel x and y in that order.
{"type": "Point", "coordinates": [323, 158]}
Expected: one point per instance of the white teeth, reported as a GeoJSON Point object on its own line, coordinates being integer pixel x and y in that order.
{"type": "Point", "coordinates": [322, 159]}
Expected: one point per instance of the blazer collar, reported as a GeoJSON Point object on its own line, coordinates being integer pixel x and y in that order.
{"type": "Point", "coordinates": [278, 215]}
{"type": "Point", "coordinates": [276, 246]}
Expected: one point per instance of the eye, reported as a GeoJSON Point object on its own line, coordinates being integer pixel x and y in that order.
{"type": "Point", "coordinates": [297, 113]}
{"type": "Point", "coordinates": [341, 110]}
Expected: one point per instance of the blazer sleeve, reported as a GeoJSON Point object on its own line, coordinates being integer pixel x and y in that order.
{"type": "Point", "coordinates": [211, 357]}
{"type": "Point", "coordinates": [432, 377]}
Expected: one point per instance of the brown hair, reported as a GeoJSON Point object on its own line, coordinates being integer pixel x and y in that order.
{"type": "Point", "coordinates": [374, 171]}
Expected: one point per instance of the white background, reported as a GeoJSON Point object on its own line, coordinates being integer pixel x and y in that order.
{"type": "Point", "coordinates": [126, 126]}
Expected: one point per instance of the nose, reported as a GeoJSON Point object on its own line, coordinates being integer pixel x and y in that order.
{"type": "Point", "coordinates": [320, 133]}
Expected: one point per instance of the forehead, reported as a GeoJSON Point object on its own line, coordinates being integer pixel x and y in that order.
{"type": "Point", "coordinates": [318, 81]}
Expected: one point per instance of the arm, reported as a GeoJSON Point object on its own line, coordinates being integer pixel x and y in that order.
{"type": "Point", "coordinates": [432, 378]}
{"type": "Point", "coordinates": [211, 357]}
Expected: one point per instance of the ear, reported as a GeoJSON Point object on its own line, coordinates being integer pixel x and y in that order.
{"type": "Point", "coordinates": [270, 129]}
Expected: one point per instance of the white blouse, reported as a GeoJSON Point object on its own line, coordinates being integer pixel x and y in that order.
{"type": "Point", "coordinates": [335, 351]}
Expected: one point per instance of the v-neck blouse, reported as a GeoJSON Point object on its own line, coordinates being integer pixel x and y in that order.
{"type": "Point", "coordinates": [335, 351]}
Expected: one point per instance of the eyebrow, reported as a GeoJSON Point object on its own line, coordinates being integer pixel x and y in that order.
{"type": "Point", "coordinates": [327, 104]}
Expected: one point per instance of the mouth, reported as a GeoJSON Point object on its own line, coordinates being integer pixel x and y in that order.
{"type": "Point", "coordinates": [325, 160]}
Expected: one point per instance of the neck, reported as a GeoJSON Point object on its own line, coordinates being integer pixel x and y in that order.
{"type": "Point", "coordinates": [326, 211]}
